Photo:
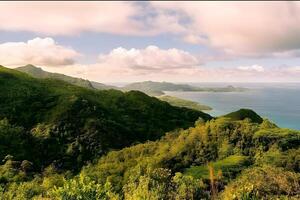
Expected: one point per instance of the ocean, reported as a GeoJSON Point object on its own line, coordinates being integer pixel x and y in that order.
{"type": "Point", "coordinates": [279, 102]}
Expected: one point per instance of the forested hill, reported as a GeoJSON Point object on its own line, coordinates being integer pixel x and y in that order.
{"type": "Point", "coordinates": [225, 158]}
{"type": "Point", "coordinates": [50, 121]}
{"type": "Point", "coordinates": [39, 73]}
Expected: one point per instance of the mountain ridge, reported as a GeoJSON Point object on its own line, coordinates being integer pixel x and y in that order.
{"type": "Point", "coordinates": [40, 73]}
{"type": "Point", "coordinates": [92, 121]}
{"type": "Point", "coordinates": [151, 88]}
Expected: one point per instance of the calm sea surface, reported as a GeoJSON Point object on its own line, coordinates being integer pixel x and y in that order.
{"type": "Point", "coordinates": [278, 102]}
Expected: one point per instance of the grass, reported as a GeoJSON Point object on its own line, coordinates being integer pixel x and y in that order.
{"type": "Point", "coordinates": [229, 166]}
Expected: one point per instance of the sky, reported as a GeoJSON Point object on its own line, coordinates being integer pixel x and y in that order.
{"type": "Point", "coordinates": [159, 41]}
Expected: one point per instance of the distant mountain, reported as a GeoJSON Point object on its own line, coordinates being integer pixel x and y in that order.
{"type": "Point", "coordinates": [158, 88]}
{"type": "Point", "coordinates": [37, 72]}
{"type": "Point", "coordinates": [149, 87]}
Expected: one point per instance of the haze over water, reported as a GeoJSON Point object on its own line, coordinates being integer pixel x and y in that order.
{"type": "Point", "coordinates": [279, 102]}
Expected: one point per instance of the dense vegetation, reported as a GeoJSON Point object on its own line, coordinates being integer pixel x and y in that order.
{"type": "Point", "coordinates": [244, 114]}
{"type": "Point", "coordinates": [49, 121]}
{"type": "Point", "coordinates": [49, 129]}
{"type": "Point", "coordinates": [218, 159]}
{"type": "Point", "coordinates": [175, 101]}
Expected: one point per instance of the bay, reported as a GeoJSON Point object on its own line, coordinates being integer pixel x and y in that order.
{"type": "Point", "coordinates": [279, 102]}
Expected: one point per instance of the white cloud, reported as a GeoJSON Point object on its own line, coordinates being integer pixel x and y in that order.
{"type": "Point", "coordinates": [240, 28]}
{"type": "Point", "coordinates": [295, 69]}
{"type": "Point", "coordinates": [102, 72]}
{"type": "Point", "coordinates": [152, 58]}
{"type": "Point", "coordinates": [122, 64]}
{"type": "Point", "coordinates": [68, 18]}
{"type": "Point", "coordinates": [237, 28]}
{"type": "Point", "coordinates": [257, 68]}
{"type": "Point", "coordinates": [38, 51]}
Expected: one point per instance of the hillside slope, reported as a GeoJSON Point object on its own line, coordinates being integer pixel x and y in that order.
{"type": "Point", "coordinates": [243, 114]}
{"type": "Point", "coordinates": [219, 159]}
{"type": "Point", "coordinates": [184, 162]}
{"type": "Point", "coordinates": [39, 73]}
{"type": "Point", "coordinates": [70, 125]}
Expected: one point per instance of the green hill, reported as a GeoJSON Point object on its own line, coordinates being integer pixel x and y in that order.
{"type": "Point", "coordinates": [178, 165]}
{"type": "Point", "coordinates": [39, 73]}
{"type": "Point", "coordinates": [70, 124]}
{"type": "Point", "coordinates": [243, 114]}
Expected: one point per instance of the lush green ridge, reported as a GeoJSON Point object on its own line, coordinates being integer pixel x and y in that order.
{"type": "Point", "coordinates": [230, 145]}
{"type": "Point", "coordinates": [183, 103]}
{"type": "Point", "coordinates": [70, 125]}
{"type": "Point", "coordinates": [248, 161]}
{"type": "Point", "coordinates": [39, 73]}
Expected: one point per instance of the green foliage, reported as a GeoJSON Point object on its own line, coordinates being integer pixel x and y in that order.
{"type": "Point", "coordinates": [243, 114]}
{"type": "Point", "coordinates": [231, 146]}
{"type": "Point", "coordinates": [263, 183]}
{"type": "Point", "coordinates": [58, 123]}
{"type": "Point", "coordinates": [229, 167]}
{"type": "Point", "coordinates": [289, 159]}
{"type": "Point", "coordinates": [175, 167]}
{"type": "Point", "coordinates": [23, 190]}
{"type": "Point", "coordinates": [13, 140]}
{"type": "Point", "coordinates": [160, 184]}
{"type": "Point", "coordinates": [82, 188]}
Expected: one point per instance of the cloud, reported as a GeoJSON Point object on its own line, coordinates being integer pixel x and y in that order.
{"type": "Point", "coordinates": [38, 51]}
{"type": "Point", "coordinates": [69, 18]}
{"type": "Point", "coordinates": [256, 29]}
{"type": "Point", "coordinates": [240, 28]}
{"type": "Point", "coordinates": [152, 58]}
{"type": "Point", "coordinates": [122, 64]}
{"type": "Point", "coordinates": [102, 72]}
{"type": "Point", "coordinates": [256, 68]}
{"type": "Point", "coordinates": [295, 69]}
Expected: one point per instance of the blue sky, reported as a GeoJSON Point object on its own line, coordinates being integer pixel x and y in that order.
{"type": "Point", "coordinates": [160, 41]}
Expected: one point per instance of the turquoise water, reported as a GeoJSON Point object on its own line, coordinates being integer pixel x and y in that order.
{"type": "Point", "coordinates": [278, 102]}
